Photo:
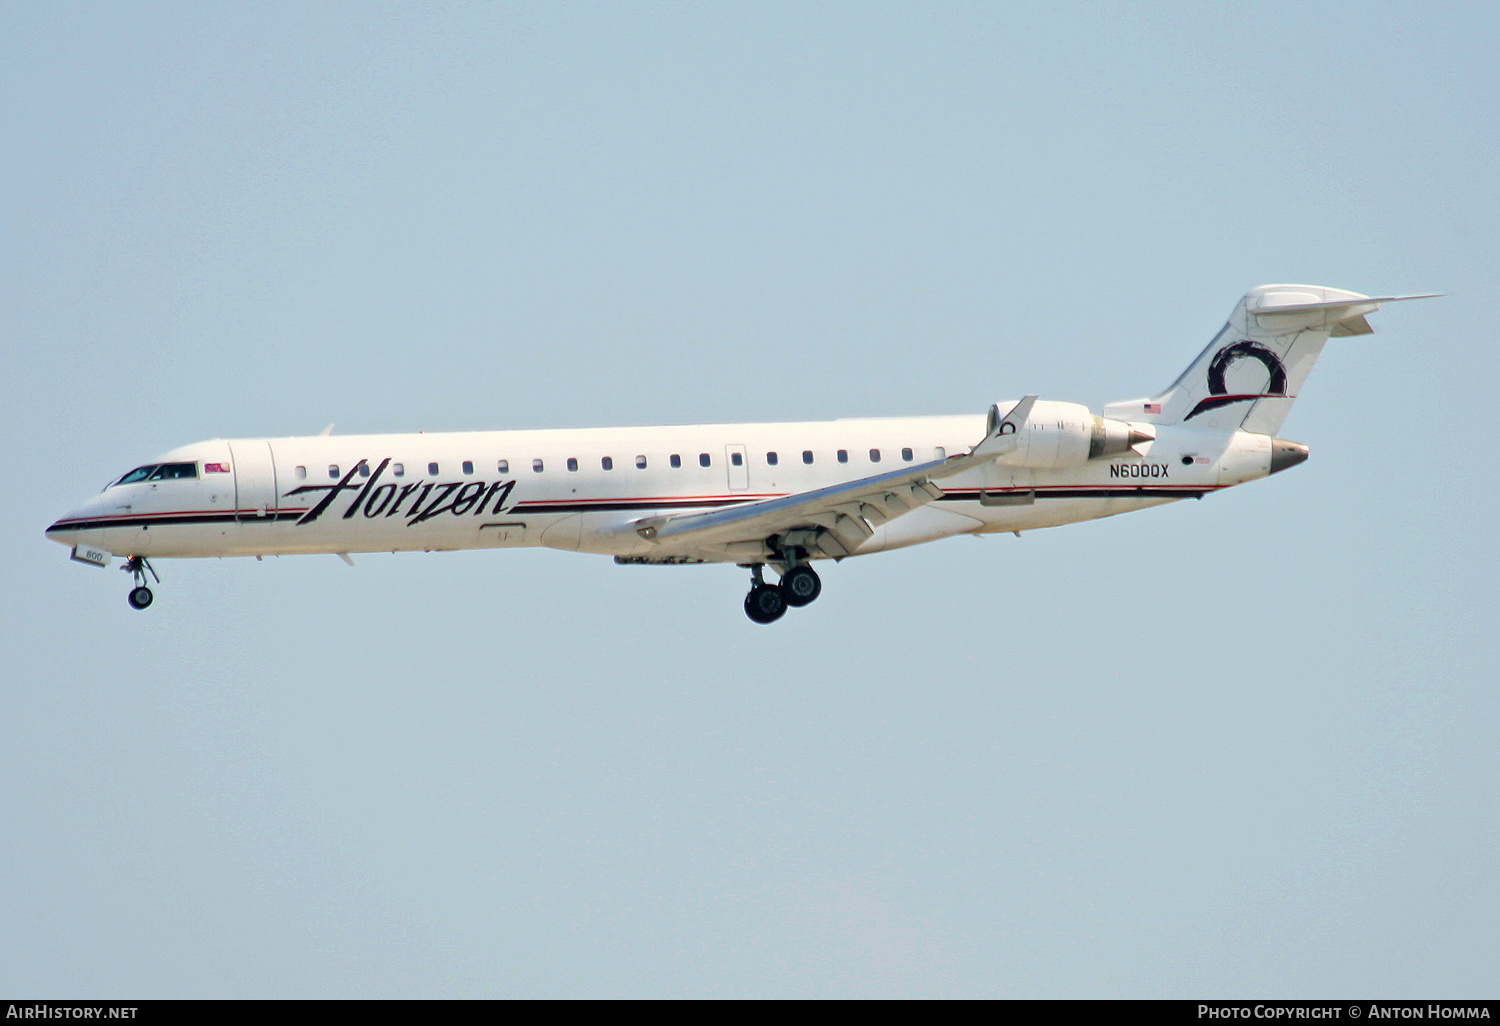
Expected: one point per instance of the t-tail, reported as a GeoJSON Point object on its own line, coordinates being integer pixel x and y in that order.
{"type": "Point", "coordinates": [1255, 367]}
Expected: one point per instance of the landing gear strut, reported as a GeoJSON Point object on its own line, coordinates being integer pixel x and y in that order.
{"type": "Point", "coordinates": [140, 596]}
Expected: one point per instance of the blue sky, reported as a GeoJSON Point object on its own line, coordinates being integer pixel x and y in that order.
{"type": "Point", "coordinates": [1236, 747]}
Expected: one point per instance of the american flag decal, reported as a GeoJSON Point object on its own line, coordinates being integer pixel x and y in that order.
{"type": "Point", "coordinates": [216, 468]}
{"type": "Point", "coordinates": [1153, 407]}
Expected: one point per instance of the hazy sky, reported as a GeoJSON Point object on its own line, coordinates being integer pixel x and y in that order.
{"type": "Point", "coordinates": [1238, 747]}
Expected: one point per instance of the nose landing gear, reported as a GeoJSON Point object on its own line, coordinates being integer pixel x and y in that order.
{"type": "Point", "coordinates": [140, 596]}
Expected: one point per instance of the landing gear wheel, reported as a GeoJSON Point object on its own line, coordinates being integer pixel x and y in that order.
{"type": "Point", "coordinates": [138, 567]}
{"type": "Point", "coordinates": [765, 603]}
{"type": "Point", "coordinates": [800, 585]}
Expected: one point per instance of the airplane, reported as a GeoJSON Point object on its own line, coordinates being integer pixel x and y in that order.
{"type": "Point", "coordinates": [778, 495]}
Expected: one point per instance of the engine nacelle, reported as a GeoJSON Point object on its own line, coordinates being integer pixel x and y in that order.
{"type": "Point", "coordinates": [1058, 434]}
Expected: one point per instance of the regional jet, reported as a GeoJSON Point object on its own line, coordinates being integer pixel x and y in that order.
{"type": "Point", "coordinates": [783, 496]}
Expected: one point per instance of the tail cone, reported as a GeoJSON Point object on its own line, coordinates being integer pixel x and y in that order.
{"type": "Point", "coordinates": [1286, 454]}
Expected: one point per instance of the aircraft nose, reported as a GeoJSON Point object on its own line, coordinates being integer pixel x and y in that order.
{"type": "Point", "coordinates": [59, 530]}
{"type": "Point", "coordinates": [64, 529]}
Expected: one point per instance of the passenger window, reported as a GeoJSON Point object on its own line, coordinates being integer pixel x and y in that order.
{"type": "Point", "coordinates": [807, 456]}
{"type": "Point", "coordinates": [468, 466]}
{"type": "Point", "coordinates": [364, 469]}
{"type": "Point", "coordinates": [906, 455]}
{"type": "Point", "coordinates": [640, 463]}
{"type": "Point", "coordinates": [704, 460]}
{"type": "Point", "coordinates": [399, 469]}
{"type": "Point", "coordinates": [536, 466]}
{"type": "Point", "coordinates": [301, 473]}
{"type": "Point", "coordinates": [676, 461]}
{"type": "Point", "coordinates": [503, 466]}
{"type": "Point", "coordinates": [608, 463]}
{"type": "Point", "coordinates": [874, 455]}
{"type": "Point", "coordinates": [737, 459]}
{"type": "Point", "coordinates": [770, 459]}
{"type": "Point", "coordinates": [333, 471]}
{"type": "Point", "coordinates": [432, 470]}
{"type": "Point", "coordinates": [572, 465]}
{"type": "Point", "coordinates": [843, 455]}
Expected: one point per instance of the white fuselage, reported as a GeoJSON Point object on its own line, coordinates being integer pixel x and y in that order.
{"type": "Point", "coordinates": [367, 493]}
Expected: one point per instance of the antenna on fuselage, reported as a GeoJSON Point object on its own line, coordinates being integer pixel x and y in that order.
{"type": "Point", "coordinates": [326, 431]}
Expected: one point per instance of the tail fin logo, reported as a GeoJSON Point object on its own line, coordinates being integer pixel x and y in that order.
{"type": "Point", "coordinates": [1219, 394]}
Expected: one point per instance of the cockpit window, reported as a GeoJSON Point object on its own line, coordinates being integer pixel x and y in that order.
{"type": "Point", "coordinates": [160, 472]}
{"type": "Point", "coordinates": [174, 471]}
{"type": "Point", "coordinates": [138, 474]}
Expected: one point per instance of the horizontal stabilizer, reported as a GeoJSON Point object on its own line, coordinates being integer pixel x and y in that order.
{"type": "Point", "coordinates": [1287, 308]}
{"type": "Point", "coordinates": [1354, 324]}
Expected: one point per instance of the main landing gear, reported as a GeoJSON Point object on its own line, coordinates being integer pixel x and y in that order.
{"type": "Point", "coordinates": [140, 596]}
{"type": "Point", "coordinates": [767, 603]}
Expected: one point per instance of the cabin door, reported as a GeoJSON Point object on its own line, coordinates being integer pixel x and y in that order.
{"type": "Point", "coordinates": [737, 461]}
{"type": "Point", "coordinates": [254, 481]}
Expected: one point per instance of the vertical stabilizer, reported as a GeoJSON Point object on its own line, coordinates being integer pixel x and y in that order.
{"type": "Point", "coordinates": [1255, 367]}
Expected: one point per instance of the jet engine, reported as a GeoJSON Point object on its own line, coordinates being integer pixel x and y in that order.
{"type": "Point", "coordinates": [1058, 434]}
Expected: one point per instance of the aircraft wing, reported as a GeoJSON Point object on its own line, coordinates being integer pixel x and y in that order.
{"type": "Point", "coordinates": [837, 519]}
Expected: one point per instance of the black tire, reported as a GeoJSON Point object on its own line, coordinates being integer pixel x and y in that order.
{"type": "Point", "coordinates": [800, 585]}
{"type": "Point", "coordinates": [139, 598]}
{"type": "Point", "coordinates": [765, 603]}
